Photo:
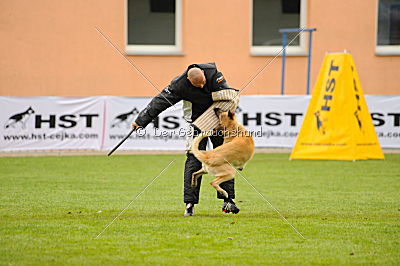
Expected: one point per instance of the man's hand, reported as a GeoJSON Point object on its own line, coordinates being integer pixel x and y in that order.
{"type": "Point", "coordinates": [135, 126]}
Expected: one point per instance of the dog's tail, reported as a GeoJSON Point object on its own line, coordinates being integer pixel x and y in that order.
{"type": "Point", "coordinates": [195, 146]}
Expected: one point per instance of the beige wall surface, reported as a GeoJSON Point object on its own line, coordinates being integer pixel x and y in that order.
{"type": "Point", "coordinates": [51, 48]}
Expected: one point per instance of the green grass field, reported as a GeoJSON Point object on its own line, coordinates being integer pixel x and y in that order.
{"type": "Point", "coordinates": [349, 212]}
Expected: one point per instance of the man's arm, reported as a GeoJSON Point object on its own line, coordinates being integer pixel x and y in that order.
{"type": "Point", "coordinates": [168, 97]}
{"type": "Point", "coordinates": [219, 82]}
{"type": "Point", "coordinates": [221, 90]}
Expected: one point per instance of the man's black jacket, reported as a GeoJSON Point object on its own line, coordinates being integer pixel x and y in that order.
{"type": "Point", "coordinates": [197, 99]}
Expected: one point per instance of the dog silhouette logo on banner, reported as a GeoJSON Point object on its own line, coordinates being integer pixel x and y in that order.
{"type": "Point", "coordinates": [19, 119]}
{"type": "Point", "coordinates": [337, 125]}
{"type": "Point", "coordinates": [125, 118]}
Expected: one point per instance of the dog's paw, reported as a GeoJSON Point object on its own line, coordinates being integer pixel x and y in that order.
{"type": "Point", "coordinates": [194, 181]}
{"type": "Point", "coordinates": [225, 194]}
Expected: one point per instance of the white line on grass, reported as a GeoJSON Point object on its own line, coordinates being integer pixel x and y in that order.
{"type": "Point", "coordinates": [283, 217]}
{"type": "Point", "coordinates": [134, 198]}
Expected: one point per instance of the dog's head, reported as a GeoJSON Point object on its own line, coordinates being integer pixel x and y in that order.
{"type": "Point", "coordinates": [227, 119]}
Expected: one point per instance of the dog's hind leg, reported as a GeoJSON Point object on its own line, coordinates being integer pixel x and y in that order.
{"type": "Point", "coordinates": [196, 175]}
{"type": "Point", "coordinates": [215, 183]}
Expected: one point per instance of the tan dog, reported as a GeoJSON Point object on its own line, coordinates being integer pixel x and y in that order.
{"type": "Point", "coordinates": [235, 152]}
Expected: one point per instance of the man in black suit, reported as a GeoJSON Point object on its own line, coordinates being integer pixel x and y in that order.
{"type": "Point", "coordinates": [194, 87]}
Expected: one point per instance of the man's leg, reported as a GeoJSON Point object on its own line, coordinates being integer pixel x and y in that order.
{"type": "Point", "coordinates": [190, 194]}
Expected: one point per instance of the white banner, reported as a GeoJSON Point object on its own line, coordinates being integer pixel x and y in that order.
{"type": "Point", "coordinates": [166, 132]}
{"type": "Point", "coordinates": [385, 112]}
{"type": "Point", "coordinates": [37, 123]}
{"type": "Point", "coordinates": [41, 123]}
{"type": "Point", "coordinates": [274, 120]}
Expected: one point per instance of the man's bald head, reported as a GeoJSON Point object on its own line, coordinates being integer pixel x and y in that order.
{"type": "Point", "coordinates": [196, 77]}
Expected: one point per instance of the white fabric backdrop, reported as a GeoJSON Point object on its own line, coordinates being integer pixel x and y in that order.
{"type": "Point", "coordinates": [161, 138]}
{"type": "Point", "coordinates": [40, 123]}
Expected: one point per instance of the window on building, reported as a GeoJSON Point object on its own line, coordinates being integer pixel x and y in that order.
{"type": "Point", "coordinates": [153, 27]}
{"type": "Point", "coordinates": [388, 37]}
{"type": "Point", "coordinates": [269, 16]}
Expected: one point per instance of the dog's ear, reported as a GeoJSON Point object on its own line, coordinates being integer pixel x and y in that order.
{"type": "Point", "coordinates": [217, 111]}
{"type": "Point", "coordinates": [230, 114]}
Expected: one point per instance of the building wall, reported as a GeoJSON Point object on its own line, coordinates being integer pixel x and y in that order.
{"type": "Point", "coordinates": [51, 47]}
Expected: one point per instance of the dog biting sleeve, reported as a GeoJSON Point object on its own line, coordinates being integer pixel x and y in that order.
{"type": "Point", "coordinates": [227, 99]}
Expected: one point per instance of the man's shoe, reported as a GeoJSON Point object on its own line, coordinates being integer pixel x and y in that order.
{"type": "Point", "coordinates": [189, 211]}
{"type": "Point", "coordinates": [230, 206]}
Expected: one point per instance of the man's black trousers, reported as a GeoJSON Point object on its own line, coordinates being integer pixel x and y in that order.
{"type": "Point", "coordinates": [192, 165]}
